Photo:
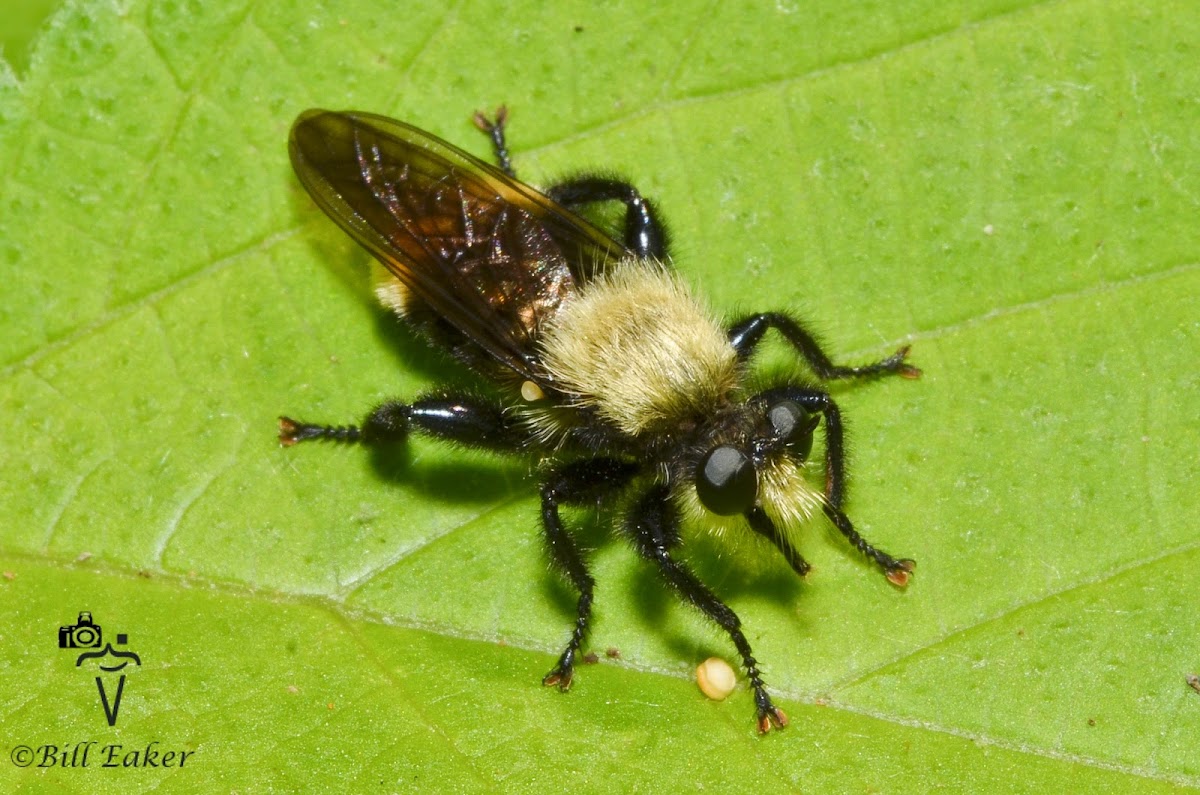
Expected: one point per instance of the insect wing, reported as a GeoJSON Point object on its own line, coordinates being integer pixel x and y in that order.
{"type": "Point", "coordinates": [490, 255]}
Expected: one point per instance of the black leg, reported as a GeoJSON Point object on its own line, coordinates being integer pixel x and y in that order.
{"type": "Point", "coordinates": [495, 131]}
{"type": "Point", "coordinates": [465, 419]}
{"type": "Point", "coordinates": [644, 232]}
{"type": "Point", "coordinates": [654, 527]}
{"type": "Point", "coordinates": [746, 334]}
{"type": "Point", "coordinates": [762, 524]}
{"type": "Point", "coordinates": [897, 570]}
{"type": "Point", "coordinates": [574, 484]}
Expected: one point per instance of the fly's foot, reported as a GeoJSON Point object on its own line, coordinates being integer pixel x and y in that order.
{"type": "Point", "coordinates": [291, 432]}
{"type": "Point", "coordinates": [768, 714]}
{"type": "Point", "coordinates": [561, 675]}
{"type": "Point", "coordinates": [896, 364]}
{"type": "Point", "coordinates": [899, 572]}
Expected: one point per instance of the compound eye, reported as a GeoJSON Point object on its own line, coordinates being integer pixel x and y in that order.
{"type": "Point", "coordinates": [726, 481]}
{"type": "Point", "coordinates": [793, 426]}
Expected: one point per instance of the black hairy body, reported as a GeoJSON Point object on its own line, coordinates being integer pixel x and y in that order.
{"type": "Point", "coordinates": [606, 366]}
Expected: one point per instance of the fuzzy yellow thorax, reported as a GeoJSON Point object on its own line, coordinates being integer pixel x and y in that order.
{"type": "Point", "coordinates": [637, 346]}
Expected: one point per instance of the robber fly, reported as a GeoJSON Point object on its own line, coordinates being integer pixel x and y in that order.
{"type": "Point", "coordinates": [600, 359]}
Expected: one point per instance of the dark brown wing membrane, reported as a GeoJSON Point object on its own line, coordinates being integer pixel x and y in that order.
{"type": "Point", "coordinates": [491, 256]}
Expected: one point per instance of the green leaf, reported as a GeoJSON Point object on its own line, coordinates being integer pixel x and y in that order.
{"type": "Point", "coordinates": [1008, 186]}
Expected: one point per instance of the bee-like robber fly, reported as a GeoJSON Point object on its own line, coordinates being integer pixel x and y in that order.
{"type": "Point", "coordinates": [598, 358]}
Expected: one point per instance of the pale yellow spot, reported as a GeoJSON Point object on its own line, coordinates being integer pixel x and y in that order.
{"type": "Point", "coordinates": [389, 290]}
{"type": "Point", "coordinates": [716, 678]}
{"type": "Point", "coordinates": [531, 392]}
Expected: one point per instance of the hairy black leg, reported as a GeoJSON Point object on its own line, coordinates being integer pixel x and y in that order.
{"type": "Point", "coordinates": [762, 524]}
{"type": "Point", "coordinates": [746, 334]}
{"type": "Point", "coordinates": [465, 419]}
{"type": "Point", "coordinates": [574, 484]}
{"type": "Point", "coordinates": [645, 234]}
{"type": "Point", "coordinates": [897, 570]}
{"type": "Point", "coordinates": [495, 131]}
{"type": "Point", "coordinates": [654, 527]}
